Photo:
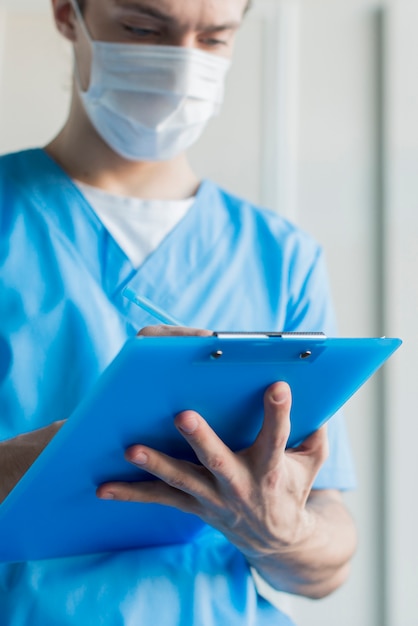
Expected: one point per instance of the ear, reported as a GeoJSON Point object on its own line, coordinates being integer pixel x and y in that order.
{"type": "Point", "coordinates": [65, 18]}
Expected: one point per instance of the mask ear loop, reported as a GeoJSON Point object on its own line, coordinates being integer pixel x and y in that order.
{"type": "Point", "coordinates": [81, 21]}
{"type": "Point", "coordinates": [87, 35]}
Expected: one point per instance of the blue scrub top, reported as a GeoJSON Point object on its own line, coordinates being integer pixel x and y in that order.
{"type": "Point", "coordinates": [227, 265]}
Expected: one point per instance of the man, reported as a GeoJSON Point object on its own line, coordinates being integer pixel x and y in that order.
{"type": "Point", "coordinates": [113, 201]}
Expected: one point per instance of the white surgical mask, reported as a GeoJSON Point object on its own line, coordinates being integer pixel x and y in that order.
{"type": "Point", "coordinates": [150, 102]}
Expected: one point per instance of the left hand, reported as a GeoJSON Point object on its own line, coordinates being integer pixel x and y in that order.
{"type": "Point", "coordinates": [256, 497]}
{"type": "Point", "coordinates": [298, 539]}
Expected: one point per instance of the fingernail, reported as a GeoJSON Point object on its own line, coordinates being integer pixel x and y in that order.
{"type": "Point", "coordinates": [188, 425]}
{"type": "Point", "coordinates": [107, 495]}
{"type": "Point", "coordinates": [279, 395]}
{"type": "Point", "coordinates": [140, 459]}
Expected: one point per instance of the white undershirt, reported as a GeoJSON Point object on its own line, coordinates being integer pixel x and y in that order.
{"type": "Point", "coordinates": [137, 225]}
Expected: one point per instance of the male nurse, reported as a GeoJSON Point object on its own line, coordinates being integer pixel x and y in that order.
{"type": "Point", "coordinates": [112, 202]}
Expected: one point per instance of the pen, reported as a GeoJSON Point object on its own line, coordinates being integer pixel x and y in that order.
{"type": "Point", "coordinates": [149, 307]}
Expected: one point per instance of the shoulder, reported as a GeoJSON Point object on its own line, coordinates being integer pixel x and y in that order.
{"type": "Point", "coordinates": [269, 230]}
{"type": "Point", "coordinates": [17, 171]}
{"type": "Point", "coordinates": [24, 177]}
{"type": "Point", "coordinates": [16, 161]}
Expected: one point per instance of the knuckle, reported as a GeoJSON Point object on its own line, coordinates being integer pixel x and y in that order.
{"type": "Point", "coordinates": [152, 331]}
{"type": "Point", "coordinates": [127, 494]}
{"type": "Point", "coordinates": [271, 480]}
{"type": "Point", "coordinates": [146, 331]}
{"type": "Point", "coordinates": [280, 439]}
{"type": "Point", "coordinates": [284, 438]}
{"type": "Point", "coordinates": [215, 463]}
{"type": "Point", "coordinates": [178, 481]}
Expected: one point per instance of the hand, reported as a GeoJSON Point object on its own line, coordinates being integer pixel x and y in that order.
{"type": "Point", "coordinates": [260, 498]}
{"type": "Point", "coordinates": [256, 497]}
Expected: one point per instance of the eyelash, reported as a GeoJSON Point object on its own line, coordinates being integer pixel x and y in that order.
{"type": "Point", "coordinates": [150, 33]}
{"type": "Point", "coordinates": [213, 43]}
{"type": "Point", "coordinates": [141, 32]}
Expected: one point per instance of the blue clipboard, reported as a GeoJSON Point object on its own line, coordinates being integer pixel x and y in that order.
{"type": "Point", "coordinates": [54, 512]}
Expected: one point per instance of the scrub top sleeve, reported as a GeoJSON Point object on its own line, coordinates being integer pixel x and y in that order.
{"type": "Point", "coordinates": [310, 306]}
{"type": "Point", "coordinates": [311, 309]}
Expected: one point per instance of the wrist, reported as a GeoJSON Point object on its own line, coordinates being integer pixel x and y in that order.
{"type": "Point", "coordinates": [318, 560]}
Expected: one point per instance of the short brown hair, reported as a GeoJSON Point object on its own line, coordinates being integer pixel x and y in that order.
{"type": "Point", "coordinates": [82, 5]}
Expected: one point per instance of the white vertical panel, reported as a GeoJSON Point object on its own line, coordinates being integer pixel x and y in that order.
{"type": "Point", "coordinates": [35, 82]}
{"type": "Point", "coordinates": [25, 6]}
{"type": "Point", "coordinates": [338, 204]}
{"type": "Point", "coordinates": [280, 105]}
{"type": "Point", "coordinates": [402, 311]}
{"type": "Point", "coordinates": [2, 47]}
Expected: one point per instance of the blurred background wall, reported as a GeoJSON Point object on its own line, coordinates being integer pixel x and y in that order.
{"type": "Point", "coordinates": [321, 124]}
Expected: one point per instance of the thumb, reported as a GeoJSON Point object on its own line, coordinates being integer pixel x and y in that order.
{"type": "Point", "coordinates": [314, 450]}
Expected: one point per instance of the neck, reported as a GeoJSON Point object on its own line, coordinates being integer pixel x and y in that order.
{"type": "Point", "coordinates": [82, 153]}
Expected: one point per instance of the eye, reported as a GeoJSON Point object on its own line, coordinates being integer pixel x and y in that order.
{"type": "Point", "coordinates": [212, 42]}
{"type": "Point", "coordinates": [217, 40]}
{"type": "Point", "coordinates": [141, 32]}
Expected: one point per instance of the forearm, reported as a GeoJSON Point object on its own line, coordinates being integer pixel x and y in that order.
{"type": "Point", "coordinates": [319, 560]}
{"type": "Point", "coordinates": [18, 454]}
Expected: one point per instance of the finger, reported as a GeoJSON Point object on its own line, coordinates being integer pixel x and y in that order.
{"type": "Point", "coordinates": [149, 492]}
{"type": "Point", "coordinates": [314, 451]}
{"type": "Point", "coordinates": [161, 330]}
{"type": "Point", "coordinates": [269, 447]}
{"type": "Point", "coordinates": [211, 451]}
{"type": "Point", "coordinates": [177, 474]}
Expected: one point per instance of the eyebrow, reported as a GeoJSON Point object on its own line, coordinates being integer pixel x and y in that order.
{"type": "Point", "coordinates": [221, 27]}
{"type": "Point", "coordinates": [144, 10]}
{"type": "Point", "coordinates": [162, 16]}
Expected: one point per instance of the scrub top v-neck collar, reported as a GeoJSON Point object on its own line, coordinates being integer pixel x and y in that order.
{"type": "Point", "coordinates": [161, 277]}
